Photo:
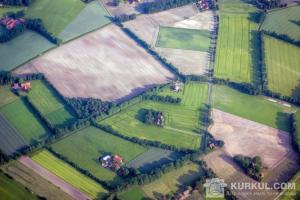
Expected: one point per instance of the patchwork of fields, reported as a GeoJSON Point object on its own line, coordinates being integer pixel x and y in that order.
{"type": "Point", "coordinates": [284, 21]}
{"type": "Point", "coordinates": [181, 121]}
{"type": "Point", "coordinates": [96, 144]}
{"type": "Point", "coordinates": [69, 174]}
{"type": "Point", "coordinates": [282, 66]}
{"type": "Point", "coordinates": [181, 38]}
{"type": "Point", "coordinates": [49, 104]}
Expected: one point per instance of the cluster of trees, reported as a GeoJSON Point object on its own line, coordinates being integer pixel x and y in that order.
{"type": "Point", "coordinates": [3, 158]}
{"type": "Point", "coordinates": [124, 18]}
{"type": "Point", "coordinates": [164, 99]}
{"type": "Point", "coordinates": [267, 4]}
{"type": "Point", "coordinates": [160, 5]}
{"type": "Point", "coordinates": [142, 142]}
{"type": "Point", "coordinates": [295, 132]}
{"type": "Point", "coordinates": [7, 78]}
{"type": "Point", "coordinates": [38, 26]}
{"type": "Point", "coordinates": [89, 107]}
{"type": "Point", "coordinates": [252, 166]}
{"type": "Point", "coordinates": [19, 28]}
{"type": "Point", "coordinates": [247, 88]}
{"type": "Point", "coordinates": [16, 2]}
{"type": "Point", "coordinates": [152, 117]}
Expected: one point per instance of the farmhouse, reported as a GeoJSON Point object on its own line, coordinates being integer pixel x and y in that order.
{"type": "Point", "coordinates": [202, 5]}
{"type": "Point", "coordinates": [10, 22]}
{"type": "Point", "coordinates": [176, 87]}
{"type": "Point", "coordinates": [21, 86]}
{"type": "Point", "coordinates": [112, 162]}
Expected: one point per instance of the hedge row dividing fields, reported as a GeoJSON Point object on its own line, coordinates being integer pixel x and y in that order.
{"type": "Point", "coordinates": [234, 60]}
{"type": "Point", "coordinates": [282, 66]}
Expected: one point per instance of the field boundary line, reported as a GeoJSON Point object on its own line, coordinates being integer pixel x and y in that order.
{"type": "Point", "coordinates": [183, 131]}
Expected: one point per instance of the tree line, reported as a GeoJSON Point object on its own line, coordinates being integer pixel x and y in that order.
{"type": "Point", "coordinates": [160, 5]}
{"type": "Point", "coordinates": [164, 99]}
{"type": "Point", "coordinates": [16, 2]}
{"type": "Point", "coordinates": [295, 132]}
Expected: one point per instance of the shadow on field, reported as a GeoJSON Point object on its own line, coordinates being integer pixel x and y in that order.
{"type": "Point", "coordinates": [295, 22]}
{"type": "Point", "coordinates": [296, 91]}
{"type": "Point", "coordinates": [189, 177]}
{"type": "Point", "coordinates": [254, 17]}
{"type": "Point", "coordinates": [256, 56]}
{"type": "Point", "coordinates": [283, 122]}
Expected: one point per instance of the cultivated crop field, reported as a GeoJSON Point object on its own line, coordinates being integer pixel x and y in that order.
{"type": "Point", "coordinates": [282, 66]}
{"type": "Point", "coordinates": [21, 49]}
{"type": "Point", "coordinates": [181, 121]}
{"type": "Point", "coordinates": [89, 67]}
{"type": "Point", "coordinates": [9, 189]}
{"type": "Point", "coordinates": [34, 182]}
{"type": "Point", "coordinates": [181, 38]}
{"type": "Point", "coordinates": [49, 104]}
{"type": "Point", "coordinates": [234, 59]}
{"type": "Point", "coordinates": [284, 21]}
{"type": "Point", "coordinates": [96, 144]}
{"type": "Point", "coordinates": [85, 21]}
{"type": "Point", "coordinates": [69, 174]}
{"type": "Point", "coordinates": [26, 122]}
{"type": "Point", "coordinates": [270, 113]}
{"type": "Point", "coordinates": [6, 96]}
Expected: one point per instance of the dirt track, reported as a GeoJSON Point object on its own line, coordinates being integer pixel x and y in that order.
{"type": "Point", "coordinates": [76, 194]}
{"type": "Point", "coordinates": [105, 64]}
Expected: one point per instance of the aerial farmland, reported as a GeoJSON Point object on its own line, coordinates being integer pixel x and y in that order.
{"type": "Point", "coordinates": [149, 100]}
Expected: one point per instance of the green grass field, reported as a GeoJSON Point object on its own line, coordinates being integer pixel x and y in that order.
{"type": "Point", "coordinates": [255, 108]}
{"type": "Point", "coordinates": [56, 14]}
{"type": "Point", "coordinates": [69, 174]}
{"type": "Point", "coordinates": [235, 7]}
{"type": "Point", "coordinates": [45, 99]}
{"type": "Point", "coordinates": [181, 38]}
{"type": "Point", "coordinates": [9, 9]}
{"type": "Point", "coordinates": [283, 67]}
{"type": "Point", "coordinates": [6, 96]}
{"type": "Point", "coordinates": [234, 60]}
{"type": "Point", "coordinates": [85, 21]}
{"type": "Point", "coordinates": [21, 49]}
{"type": "Point", "coordinates": [28, 125]}
{"type": "Point", "coordinates": [11, 190]}
{"type": "Point", "coordinates": [96, 143]}
{"type": "Point", "coordinates": [284, 21]}
{"type": "Point", "coordinates": [181, 121]}
{"type": "Point", "coordinates": [169, 182]}
{"type": "Point", "coordinates": [291, 194]}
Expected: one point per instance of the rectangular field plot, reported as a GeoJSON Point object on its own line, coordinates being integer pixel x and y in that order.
{"type": "Point", "coordinates": [69, 174]}
{"type": "Point", "coordinates": [85, 21]}
{"type": "Point", "coordinates": [6, 96]}
{"type": "Point", "coordinates": [96, 144]}
{"type": "Point", "coordinates": [233, 59]}
{"type": "Point", "coordinates": [181, 38]}
{"type": "Point", "coordinates": [45, 99]}
{"type": "Point", "coordinates": [284, 21]}
{"type": "Point", "coordinates": [24, 120]}
{"type": "Point", "coordinates": [21, 49]}
{"type": "Point", "coordinates": [282, 66]}
{"type": "Point", "coordinates": [292, 193]}
{"type": "Point", "coordinates": [255, 108]}
{"type": "Point", "coordinates": [56, 14]}
{"type": "Point", "coordinates": [11, 190]}
{"type": "Point", "coordinates": [10, 141]}
{"type": "Point", "coordinates": [181, 121]}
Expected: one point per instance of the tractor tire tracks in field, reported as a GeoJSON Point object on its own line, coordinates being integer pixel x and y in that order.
{"type": "Point", "coordinates": [73, 192]}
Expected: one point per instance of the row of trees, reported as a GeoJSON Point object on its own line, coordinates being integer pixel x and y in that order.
{"type": "Point", "coordinates": [295, 132]}
{"type": "Point", "coordinates": [247, 88]}
{"type": "Point", "coordinates": [90, 107]}
{"type": "Point", "coordinates": [164, 99]}
{"type": "Point", "coordinates": [251, 166]}
{"type": "Point", "coordinates": [268, 4]}
{"type": "Point", "coordinates": [7, 77]}
{"type": "Point", "coordinates": [124, 17]}
{"type": "Point", "coordinates": [16, 2]}
{"type": "Point", "coordinates": [160, 5]}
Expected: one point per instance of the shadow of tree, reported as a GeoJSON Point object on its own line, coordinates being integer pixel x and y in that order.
{"type": "Point", "coordinates": [297, 22]}
{"type": "Point", "coordinates": [296, 91]}
{"type": "Point", "coordinates": [256, 56]}
{"type": "Point", "coordinates": [283, 122]}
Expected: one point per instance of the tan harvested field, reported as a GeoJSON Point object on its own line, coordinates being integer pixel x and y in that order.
{"type": "Point", "coordinates": [242, 136]}
{"type": "Point", "coordinates": [147, 28]}
{"type": "Point", "coordinates": [188, 62]}
{"type": "Point", "coordinates": [249, 138]}
{"type": "Point", "coordinates": [34, 182]}
{"type": "Point", "coordinates": [122, 8]}
{"type": "Point", "coordinates": [105, 64]}
{"type": "Point", "coordinates": [73, 192]}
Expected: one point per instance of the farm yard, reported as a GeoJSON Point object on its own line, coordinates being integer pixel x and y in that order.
{"type": "Point", "coordinates": [284, 22]}
{"type": "Point", "coordinates": [282, 66]}
{"type": "Point", "coordinates": [153, 29]}
{"type": "Point", "coordinates": [97, 144]}
{"type": "Point", "coordinates": [181, 38]}
{"type": "Point", "coordinates": [9, 189]}
{"type": "Point", "coordinates": [33, 181]}
{"type": "Point", "coordinates": [115, 82]}
{"type": "Point", "coordinates": [271, 113]}
{"type": "Point", "coordinates": [69, 174]}
{"type": "Point", "coordinates": [24, 120]}
{"type": "Point", "coordinates": [182, 124]}
{"type": "Point", "coordinates": [49, 104]}
{"type": "Point", "coordinates": [21, 49]}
